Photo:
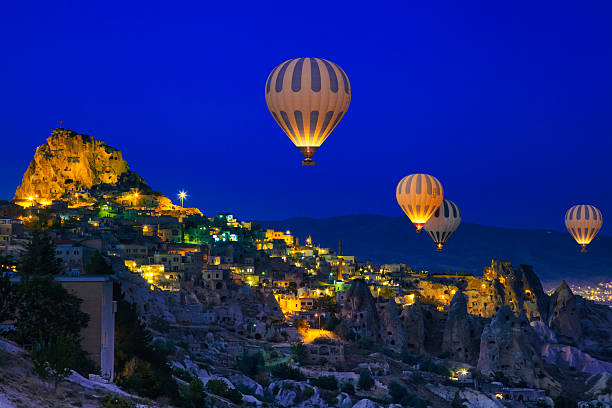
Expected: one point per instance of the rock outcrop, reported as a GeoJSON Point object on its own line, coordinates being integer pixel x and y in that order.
{"type": "Point", "coordinates": [565, 315]}
{"type": "Point", "coordinates": [70, 162]}
{"type": "Point", "coordinates": [510, 346]}
{"type": "Point", "coordinates": [81, 171]}
{"type": "Point", "coordinates": [359, 310]}
{"type": "Point", "coordinates": [462, 332]}
{"type": "Point", "coordinates": [413, 320]}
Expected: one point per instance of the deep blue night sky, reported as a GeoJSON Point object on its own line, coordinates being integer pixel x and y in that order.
{"type": "Point", "coordinates": [509, 104]}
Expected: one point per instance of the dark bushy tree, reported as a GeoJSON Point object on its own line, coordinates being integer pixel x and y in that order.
{"type": "Point", "coordinates": [97, 265]}
{"type": "Point", "coordinates": [286, 372]}
{"type": "Point", "coordinates": [251, 364]}
{"type": "Point", "coordinates": [327, 382]}
{"type": "Point", "coordinates": [140, 367]}
{"type": "Point", "coordinates": [366, 382]}
{"type": "Point", "coordinates": [47, 311]}
{"type": "Point", "coordinates": [55, 359]}
{"type": "Point", "coordinates": [8, 297]}
{"type": "Point", "coordinates": [39, 257]}
{"type": "Point", "coordinates": [398, 393]}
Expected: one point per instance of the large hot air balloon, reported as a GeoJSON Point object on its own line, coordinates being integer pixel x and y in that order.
{"type": "Point", "coordinates": [583, 222]}
{"type": "Point", "coordinates": [443, 223]}
{"type": "Point", "coordinates": [307, 97]}
{"type": "Point", "coordinates": [419, 195]}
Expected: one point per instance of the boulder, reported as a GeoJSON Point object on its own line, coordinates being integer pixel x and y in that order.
{"type": "Point", "coordinates": [344, 400]}
{"type": "Point", "coordinates": [366, 403]}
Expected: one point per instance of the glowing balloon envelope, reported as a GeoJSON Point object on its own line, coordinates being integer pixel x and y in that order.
{"type": "Point", "coordinates": [443, 223]}
{"type": "Point", "coordinates": [307, 98]}
{"type": "Point", "coordinates": [419, 195]}
{"type": "Point", "coordinates": [583, 222]}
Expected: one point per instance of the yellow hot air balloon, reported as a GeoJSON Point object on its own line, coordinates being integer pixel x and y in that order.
{"type": "Point", "coordinates": [583, 222]}
{"type": "Point", "coordinates": [419, 195]}
{"type": "Point", "coordinates": [443, 223]}
{"type": "Point", "coordinates": [308, 97]}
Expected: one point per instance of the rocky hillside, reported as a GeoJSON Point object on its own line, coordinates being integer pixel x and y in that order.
{"type": "Point", "coordinates": [80, 171]}
{"type": "Point", "coordinates": [554, 255]}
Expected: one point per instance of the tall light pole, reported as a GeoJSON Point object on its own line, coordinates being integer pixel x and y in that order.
{"type": "Point", "coordinates": [182, 195]}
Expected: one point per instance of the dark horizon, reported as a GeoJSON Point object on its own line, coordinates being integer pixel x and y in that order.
{"type": "Point", "coordinates": [507, 105]}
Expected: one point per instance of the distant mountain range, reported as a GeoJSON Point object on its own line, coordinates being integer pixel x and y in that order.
{"type": "Point", "coordinates": [554, 255]}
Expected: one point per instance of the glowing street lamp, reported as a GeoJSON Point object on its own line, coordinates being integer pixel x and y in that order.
{"type": "Point", "coordinates": [182, 195]}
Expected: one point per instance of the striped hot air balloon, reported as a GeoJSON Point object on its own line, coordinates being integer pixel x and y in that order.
{"type": "Point", "coordinates": [419, 195]}
{"type": "Point", "coordinates": [308, 97]}
{"type": "Point", "coordinates": [583, 222]}
{"type": "Point", "coordinates": [443, 223]}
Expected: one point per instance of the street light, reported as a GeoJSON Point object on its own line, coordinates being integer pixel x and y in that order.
{"type": "Point", "coordinates": [182, 195]}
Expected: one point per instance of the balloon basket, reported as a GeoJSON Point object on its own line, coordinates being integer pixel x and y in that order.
{"type": "Point", "coordinates": [308, 162]}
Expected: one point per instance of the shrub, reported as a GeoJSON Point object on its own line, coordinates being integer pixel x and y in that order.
{"type": "Point", "coordinates": [111, 401]}
{"type": "Point", "coordinates": [428, 364]}
{"type": "Point", "coordinates": [233, 395]}
{"type": "Point", "coordinates": [286, 372]}
{"type": "Point", "coordinates": [328, 382]}
{"type": "Point", "coordinates": [251, 364]}
{"type": "Point", "coordinates": [398, 393]}
{"type": "Point", "coordinates": [195, 393]}
{"type": "Point", "coordinates": [182, 374]}
{"type": "Point", "coordinates": [55, 359]}
{"type": "Point", "coordinates": [217, 387]}
{"type": "Point", "coordinates": [308, 392]}
{"type": "Point", "coordinates": [298, 352]}
{"type": "Point", "coordinates": [366, 382]}
{"type": "Point", "coordinates": [348, 387]}
{"type": "Point", "coordinates": [220, 388]}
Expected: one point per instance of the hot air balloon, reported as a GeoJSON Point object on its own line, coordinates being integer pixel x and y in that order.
{"type": "Point", "coordinates": [419, 195]}
{"type": "Point", "coordinates": [443, 223]}
{"type": "Point", "coordinates": [307, 98]}
{"type": "Point", "coordinates": [583, 222]}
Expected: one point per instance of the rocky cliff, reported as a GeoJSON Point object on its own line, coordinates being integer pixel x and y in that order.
{"type": "Point", "coordinates": [80, 171]}
{"type": "Point", "coordinates": [462, 332]}
{"type": "Point", "coordinates": [510, 346]}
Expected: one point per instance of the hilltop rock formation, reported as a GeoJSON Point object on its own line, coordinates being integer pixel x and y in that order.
{"type": "Point", "coordinates": [462, 332]}
{"type": "Point", "coordinates": [67, 163]}
{"type": "Point", "coordinates": [519, 288]}
{"type": "Point", "coordinates": [78, 170]}
{"type": "Point", "coordinates": [510, 346]}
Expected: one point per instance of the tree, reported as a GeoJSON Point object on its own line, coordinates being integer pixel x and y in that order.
{"type": "Point", "coordinates": [55, 359]}
{"type": "Point", "coordinates": [325, 303]}
{"type": "Point", "coordinates": [140, 367]}
{"type": "Point", "coordinates": [97, 265]}
{"type": "Point", "coordinates": [386, 292]}
{"type": "Point", "coordinates": [398, 393]}
{"type": "Point", "coordinates": [7, 297]}
{"type": "Point", "coordinates": [251, 363]}
{"type": "Point", "coordinates": [366, 382]}
{"type": "Point", "coordinates": [47, 311]}
{"type": "Point", "coordinates": [302, 324]}
{"type": "Point", "coordinates": [298, 352]}
{"type": "Point", "coordinates": [195, 393]}
{"type": "Point", "coordinates": [39, 257]}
